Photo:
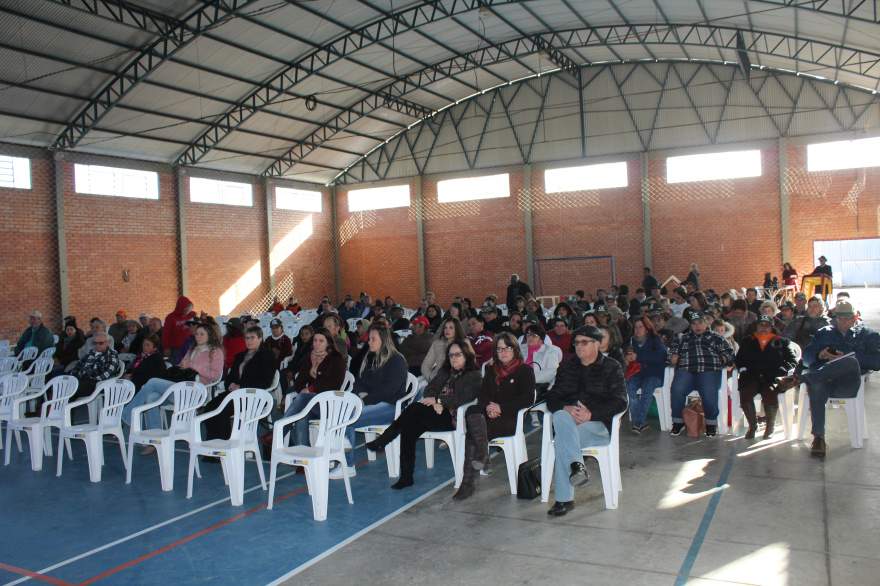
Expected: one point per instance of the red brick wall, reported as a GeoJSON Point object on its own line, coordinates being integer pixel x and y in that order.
{"type": "Point", "coordinates": [472, 247]}
{"type": "Point", "coordinates": [378, 252]}
{"type": "Point", "coordinates": [307, 272]}
{"type": "Point", "coordinates": [28, 249]}
{"type": "Point", "coordinates": [108, 235]}
{"type": "Point", "coordinates": [606, 222]}
{"type": "Point", "coordinates": [730, 228]}
{"type": "Point", "coordinates": [829, 205]}
{"type": "Point", "coordinates": [224, 245]}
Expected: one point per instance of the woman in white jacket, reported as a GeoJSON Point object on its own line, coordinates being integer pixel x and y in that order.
{"type": "Point", "coordinates": [450, 330]}
{"type": "Point", "coordinates": [542, 357]}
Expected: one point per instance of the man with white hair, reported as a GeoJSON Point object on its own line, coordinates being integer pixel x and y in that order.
{"type": "Point", "coordinates": [101, 363]}
{"type": "Point", "coordinates": [36, 334]}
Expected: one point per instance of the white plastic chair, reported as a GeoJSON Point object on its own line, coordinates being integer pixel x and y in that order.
{"type": "Point", "coordinates": [28, 353]}
{"type": "Point", "coordinates": [214, 387]}
{"type": "Point", "coordinates": [856, 415]}
{"type": "Point", "coordinates": [188, 396]}
{"type": "Point", "coordinates": [275, 388]}
{"type": "Point", "coordinates": [11, 387]}
{"type": "Point", "coordinates": [786, 403]}
{"type": "Point", "coordinates": [371, 432]}
{"type": "Point", "coordinates": [94, 406]}
{"type": "Point", "coordinates": [48, 352]}
{"type": "Point", "coordinates": [608, 457]}
{"type": "Point", "coordinates": [353, 323]}
{"type": "Point", "coordinates": [514, 448]}
{"type": "Point", "coordinates": [116, 394]}
{"type": "Point", "coordinates": [250, 406]}
{"type": "Point", "coordinates": [37, 428]}
{"type": "Point", "coordinates": [453, 439]}
{"type": "Point", "coordinates": [347, 387]}
{"type": "Point", "coordinates": [37, 372]}
{"type": "Point", "coordinates": [338, 410]}
{"type": "Point", "coordinates": [663, 396]}
{"type": "Point", "coordinates": [9, 365]}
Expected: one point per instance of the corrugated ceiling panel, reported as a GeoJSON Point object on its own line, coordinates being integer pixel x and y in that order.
{"type": "Point", "coordinates": [218, 56]}
{"type": "Point", "coordinates": [235, 163]}
{"type": "Point", "coordinates": [80, 20]}
{"type": "Point", "coordinates": [272, 124]}
{"type": "Point", "coordinates": [39, 104]}
{"type": "Point", "coordinates": [19, 130]}
{"type": "Point", "coordinates": [154, 98]}
{"type": "Point", "coordinates": [185, 77]}
{"type": "Point", "coordinates": [127, 146]}
{"type": "Point", "coordinates": [307, 25]}
{"type": "Point", "coordinates": [251, 143]}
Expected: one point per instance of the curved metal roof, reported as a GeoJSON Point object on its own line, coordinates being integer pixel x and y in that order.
{"type": "Point", "coordinates": [307, 89]}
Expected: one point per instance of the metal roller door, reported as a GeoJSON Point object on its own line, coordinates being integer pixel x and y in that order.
{"type": "Point", "coordinates": [856, 263]}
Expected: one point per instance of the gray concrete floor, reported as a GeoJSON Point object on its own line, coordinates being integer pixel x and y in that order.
{"type": "Point", "coordinates": [782, 517]}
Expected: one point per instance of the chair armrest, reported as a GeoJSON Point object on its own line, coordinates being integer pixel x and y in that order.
{"type": "Point", "coordinates": [74, 404]}
{"type": "Point", "coordinates": [459, 415]}
{"type": "Point", "coordinates": [398, 405]}
{"type": "Point", "coordinates": [137, 411]}
{"type": "Point", "coordinates": [23, 398]}
{"type": "Point", "coordinates": [279, 424]}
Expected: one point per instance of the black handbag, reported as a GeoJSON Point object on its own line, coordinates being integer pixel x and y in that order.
{"type": "Point", "coordinates": [528, 479]}
{"type": "Point", "coordinates": [177, 374]}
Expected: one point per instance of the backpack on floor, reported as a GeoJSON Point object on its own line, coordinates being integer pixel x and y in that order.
{"type": "Point", "coordinates": [528, 479]}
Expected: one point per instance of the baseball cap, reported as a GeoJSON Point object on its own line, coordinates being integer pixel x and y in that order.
{"type": "Point", "coordinates": [37, 313]}
{"type": "Point", "coordinates": [697, 316]}
{"type": "Point", "coordinates": [275, 322]}
{"type": "Point", "coordinates": [844, 309]}
{"type": "Point", "coordinates": [420, 319]}
{"type": "Point", "coordinates": [765, 319]}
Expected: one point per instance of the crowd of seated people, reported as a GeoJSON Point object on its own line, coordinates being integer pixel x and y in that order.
{"type": "Point", "coordinates": [595, 356]}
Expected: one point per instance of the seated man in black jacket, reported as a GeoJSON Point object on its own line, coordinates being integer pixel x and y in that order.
{"type": "Point", "coordinates": [589, 391]}
{"type": "Point", "coordinates": [253, 369]}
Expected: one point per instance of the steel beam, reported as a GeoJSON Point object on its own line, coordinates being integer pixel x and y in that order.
{"type": "Point", "coordinates": [61, 238]}
{"type": "Point", "coordinates": [182, 251]}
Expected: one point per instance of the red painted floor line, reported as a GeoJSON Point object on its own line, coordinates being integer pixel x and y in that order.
{"type": "Point", "coordinates": [34, 575]}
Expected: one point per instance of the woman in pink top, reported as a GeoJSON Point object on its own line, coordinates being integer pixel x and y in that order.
{"type": "Point", "coordinates": [206, 358]}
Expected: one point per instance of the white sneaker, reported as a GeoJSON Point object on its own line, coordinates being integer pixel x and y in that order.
{"type": "Point", "coordinates": [336, 472]}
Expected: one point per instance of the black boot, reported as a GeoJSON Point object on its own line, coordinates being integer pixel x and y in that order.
{"type": "Point", "coordinates": [387, 436]}
{"type": "Point", "coordinates": [476, 429]}
{"type": "Point", "coordinates": [752, 418]}
{"type": "Point", "coordinates": [770, 411]}
{"type": "Point", "coordinates": [469, 476]}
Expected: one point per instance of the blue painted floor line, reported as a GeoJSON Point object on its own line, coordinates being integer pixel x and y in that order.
{"type": "Point", "coordinates": [90, 528]}
{"type": "Point", "coordinates": [690, 558]}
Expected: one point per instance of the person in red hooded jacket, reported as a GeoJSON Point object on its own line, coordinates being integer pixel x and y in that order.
{"type": "Point", "coordinates": [175, 331]}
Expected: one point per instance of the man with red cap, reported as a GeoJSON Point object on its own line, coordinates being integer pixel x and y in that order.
{"type": "Point", "coordinates": [415, 346]}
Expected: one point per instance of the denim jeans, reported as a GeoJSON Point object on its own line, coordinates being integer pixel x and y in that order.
{"type": "Point", "coordinates": [639, 404]}
{"type": "Point", "coordinates": [378, 414]}
{"type": "Point", "coordinates": [149, 392]}
{"type": "Point", "coordinates": [819, 393]}
{"type": "Point", "coordinates": [705, 383]}
{"type": "Point", "coordinates": [570, 439]}
{"type": "Point", "coordinates": [300, 435]}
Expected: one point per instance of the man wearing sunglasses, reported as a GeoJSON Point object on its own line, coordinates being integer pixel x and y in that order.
{"type": "Point", "coordinates": [101, 363]}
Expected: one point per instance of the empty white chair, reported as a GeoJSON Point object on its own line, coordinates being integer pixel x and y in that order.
{"type": "Point", "coordinates": [249, 407]}
{"type": "Point", "coordinates": [856, 415]}
{"type": "Point", "coordinates": [11, 387]}
{"type": "Point", "coordinates": [115, 394]}
{"type": "Point", "coordinates": [48, 352]}
{"type": "Point", "coordinates": [187, 397]}
{"type": "Point", "coordinates": [454, 440]}
{"type": "Point", "coordinates": [37, 372]}
{"type": "Point", "coordinates": [28, 353]}
{"type": "Point", "coordinates": [8, 365]}
{"type": "Point", "coordinates": [608, 457]}
{"type": "Point", "coordinates": [663, 396]}
{"type": "Point", "coordinates": [37, 429]}
{"type": "Point", "coordinates": [371, 432]}
{"type": "Point", "coordinates": [337, 410]}
{"type": "Point", "coordinates": [514, 448]}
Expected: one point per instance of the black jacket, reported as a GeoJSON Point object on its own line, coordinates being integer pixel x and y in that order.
{"type": "Point", "coordinates": [258, 372]}
{"type": "Point", "coordinates": [599, 386]}
{"type": "Point", "coordinates": [384, 384]}
{"type": "Point", "coordinates": [465, 387]}
{"type": "Point", "coordinates": [153, 366]}
{"type": "Point", "coordinates": [775, 360]}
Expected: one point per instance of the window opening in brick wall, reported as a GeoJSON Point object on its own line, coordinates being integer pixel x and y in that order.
{"type": "Point", "coordinates": [471, 188]}
{"type": "Point", "coordinates": [15, 172]}
{"type": "Point", "coordinates": [229, 193]}
{"type": "Point", "coordinates": [116, 181]}
{"type": "Point", "coordinates": [299, 200]}
{"type": "Point", "coordinates": [843, 154]}
{"type": "Point", "coordinates": [586, 177]}
{"type": "Point", "coordinates": [711, 166]}
{"type": "Point", "coordinates": [378, 198]}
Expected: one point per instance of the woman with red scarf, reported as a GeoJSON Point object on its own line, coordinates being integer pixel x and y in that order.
{"type": "Point", "coordinates": [763, 358]}
{"type": "Point", "coordinates": [508, 386]}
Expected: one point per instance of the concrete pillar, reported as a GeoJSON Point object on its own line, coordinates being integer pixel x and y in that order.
{"type": "Point", "coordinates": [646, 211]}
{"type": "Point", "coordinates": [268, 186]}
{"type": "Point", "coordinates": [181, 231]}
{"type": "Point", "coordinates": [784, 202]}
{"type": "Point", "coordinates": [63, 282]}
{"type": "Point", "coordinates": [334, 242]}
{"type": "Point", "coordinates": [527, 225]}
{"type": "Point", "coordinates": [420, 233]}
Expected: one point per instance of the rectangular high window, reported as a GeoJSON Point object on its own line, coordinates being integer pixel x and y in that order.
{"type": "Point", "coordinates": [471, 188]}
{"type": "Point", "coordinates": [300, 200]}
{"type": "Point", "coordinates": [116, 181]}
{"type": "Point", "coordinates": [15, 172]}
{"type": "Point", "coordinates": [586, 177]}
{"type": "Point", "coordinates": [843, 154]}
{"type": "Point", "coordinates": [378, 198]}
{"type": "Point", "coordinates": [229, 193]}
{"type": "Point", "coordinates": [712, 166]}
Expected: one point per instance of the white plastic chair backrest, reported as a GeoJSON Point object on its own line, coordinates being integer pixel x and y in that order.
{"type": "Point", "coordinates": [286, 360]}
{"type": "Point", "coordinates": [249, 406]}
{"type": "Point", "coordinates": [798, 353]}
{"type": "Point", "coordinates": [352, 323]}
{"type": "Point", "coordinates": [38, 371]}
{"type": "Point", "coordinates": [615, 430]}
{"type": "Point", "coordinates": [8, 365]}
{"type": "Point", "coordinates": [412, 388]}
{"type": "Point", "coordinates": [11, 386]}
{"type": "Point", "coordinates": [63, 388]}
{"type": "Point", "coordinates": [187, 395]}
{"type": "Point", "coordinates": [116, 392]}
{"type": "Point", "coordinates": [4, 344]}
{"type": "Point", "coordinates": [28, 353]}
{"type": "Point", "coordinates": [348, 381]}
{"type": "Point", "coordinates": [48, 352]}
{"type": "Point", "coordinates": [337, 411]}
{"type": "Point", "coordinates": [55, 339]}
